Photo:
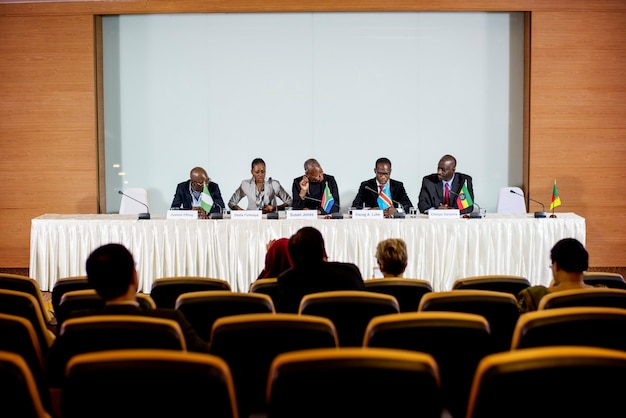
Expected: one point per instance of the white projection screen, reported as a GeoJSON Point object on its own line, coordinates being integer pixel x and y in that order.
{"type": "Point", "coordinates": [218, 90]}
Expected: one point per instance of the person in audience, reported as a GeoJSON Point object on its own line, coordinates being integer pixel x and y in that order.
{"type": "Point", "coordinates": [188, 194]}
{"type": "Point", "coordinates": [569, 261]}
{"type": "Point", "coordinates": [392, 257]}
{"type": "Point", "coordinates": [440, 190]}
{"type": "Point", "coordinates": [261, 193]}
{"type": "Point", "coordinates": [309, 190]}
{"type": "Point", "coordinates": [312, 272]}
{"type": "Point", "coordinates": [370, 194]}
{"type": "Point", "coordinates": [277, 258]}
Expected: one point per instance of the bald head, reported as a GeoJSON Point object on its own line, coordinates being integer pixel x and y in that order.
{"type": "Point", "coordinates": [198, 178]}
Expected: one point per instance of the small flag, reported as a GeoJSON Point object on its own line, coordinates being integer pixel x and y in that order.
{"type": "Point", "coordinates": [327, 199]}
{"type": "Point", "coordinates": [384, 197]}
{"type": "Point", "coordinates": [556, 200]}
{"type": "Point", "coordinates": [464, 200]}
{"type": "Point", "coordinates": [207, 201]}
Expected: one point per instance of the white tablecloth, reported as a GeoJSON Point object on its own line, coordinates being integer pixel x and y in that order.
{"type": "Point", "coordinates": [440, 250]}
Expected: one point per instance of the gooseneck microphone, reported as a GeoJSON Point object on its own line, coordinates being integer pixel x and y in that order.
{"type": "Point", "coordinates": [473, 214]}
{"type": "Point", "coordinates": [541, 214]}
{"type": "Point", "coordinates": [219, 214]}
{"type": "Point", "coordinates": [400, 206]}
{"type": "Point", "coordinates": [144, 215]}
{"type": "Point", "coordinates": [312, 198]}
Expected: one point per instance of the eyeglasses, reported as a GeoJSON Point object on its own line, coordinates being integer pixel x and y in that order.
{"type": "Point", "coordinates": [195, 183]}
{"type": "Point", "coordinates": [380, 173]}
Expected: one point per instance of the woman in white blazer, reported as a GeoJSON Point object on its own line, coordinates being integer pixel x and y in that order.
{"type": "Point", "coordinates": [261, 193]}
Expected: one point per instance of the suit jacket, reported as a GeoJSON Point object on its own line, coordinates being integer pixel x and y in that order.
{"type": "Point", "coordinates": [316, 190]}
{"type": "Point", "coordinates": [295, 283]}
{"type": "Point", "coordinates": [271, 190]}
{"type": "Point", "coordinates": [431, 193]}
{"type": "Point", "coordinates": [182, 197]}
{"type": "Point", "coordinates": [369, 198]}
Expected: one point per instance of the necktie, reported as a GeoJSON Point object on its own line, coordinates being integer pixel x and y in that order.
{"type": "Point", "coordinates": [380, 188]}
{"type": "Point", "coordinates": [446, 197]}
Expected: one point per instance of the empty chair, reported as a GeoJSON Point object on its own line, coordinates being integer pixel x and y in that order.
{"type": "Point", "coordinates": [611, 280]}
{"type": "Point", "coordinates": [250, 342]}
{"type": "Point", "coordinates": [457, 341]}
{"type": "Point", "coordinates": [137, 205]}
{"type": "Point", "coordinates": [499, 308]}
{"type": "Point", "coordinates": [150, 383]}
{"type": "Point", "coordinates": [166, 290]}
{"type": "Point", "coordinates": [67, 284]}
{"type": "Point", "coordinates": [20, 395]}
{"type": "Point", "coordinates": [408, 292]}
{"type": "Point", "coordinates": [591, 326]}
{"type": "Point", "coordinates": [27, 285]}
{"type": "Point", "coordinates": [597, 296]}
{"type": "Point", "coordinates": [574, 382]}
{"type": "Point", "coordinates": [349, 310]}
{"type": "Point", "coordinates": [511, 200]}
{"type": "Point", "coordinates": [353, 382]}
{"type": "Point", "coordinates": [498, 283]}
{"type": "Point", "coordinates": [268, 286]}
{"type": "Point", "coordinates": [202, 308]}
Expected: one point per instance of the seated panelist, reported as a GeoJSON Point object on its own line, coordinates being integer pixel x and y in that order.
{"type": "Point", "coordinates": [315, 190]}
{"type": "Point", "coordinates": [442, 190]}
{"type": "Point", "coordinates": [260, 193]}
{"type": "Point", "coordinates": [198, 193]}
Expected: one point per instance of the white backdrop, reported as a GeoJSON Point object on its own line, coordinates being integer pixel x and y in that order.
{"type": "Point", "coordinates": [218, 90]}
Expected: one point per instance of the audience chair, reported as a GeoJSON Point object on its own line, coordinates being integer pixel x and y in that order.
{"type": "Point", "coordinates": [27, 285]}
{"type": "Point", "coordinates": [611, 280]}
{"type": "Point", "coordinates": [249, 343]}
{"type": "Point", "coordinates": [498, 283]}
{"type": "Point", "coordinates": [268, 286]}
{"type": "Point", "coordinates": [548, 382]}
{"type": "Point", "coordinates": [147, 383]}
{"type": "Point", "coordinates": [499, 308]}
{"type": "Point", "coordinates": [408, 292]}
{"type": "Point", "coordinates": [353, 382]}
{"type": "Point", "coordinates": [509, 202]}
{"type": "Point", "coordinates": [601, 297]}
{"type": "Point", "coordinates": [590, 326]}
{"type": "Point", "coordinates": [67, 284]}
{"type": "Point", "coordinates": [457, 341]}
{"type": "Point", "coordinates": [166, 290]}
{"type": "Point", "coordinates": [349, 310]}
{"type": "Point", "coordinates": [20, 397]}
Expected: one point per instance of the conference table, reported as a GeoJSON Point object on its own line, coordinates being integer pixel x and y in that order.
{"type": "Point", "coordinates": [440, 250]}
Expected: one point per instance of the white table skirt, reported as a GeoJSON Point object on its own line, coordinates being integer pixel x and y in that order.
{"type": "Point", "coordinates": [440, 251]}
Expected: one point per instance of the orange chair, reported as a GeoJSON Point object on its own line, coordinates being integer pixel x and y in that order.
{"type": "Point", "coordinates": [408, 292]}
{"type": "Point", "coordinates": [166, 290]}
{"type": "Point", "coordinates": [20, 396]}
{"type": "Point", "coordinates": [498, 283]}
{"type": "Point", "coordinates": [597, 296]}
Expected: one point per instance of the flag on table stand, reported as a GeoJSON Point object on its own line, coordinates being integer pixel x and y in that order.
{"type": "Point", "coordinates": [464, 200]}
{"type": "Point", "coordinates": [384, 198]}
{"type": "Point", "coordinates": [206, 202]}
{"type": "Point", "coordinates": [556, 200]}
{"type": "Point", "coordinates": [327, 199]}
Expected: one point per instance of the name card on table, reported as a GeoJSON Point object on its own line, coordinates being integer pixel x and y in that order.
{"type": "Point", "coordinates": [301, 214]}
{"type": "Point", "coordinates": [444, 214]}
{"type": "Point", "coordinates": [246, 214]}
{"type": "Point", "coordinates": [367, 214]}
{"type": "Point", "coordinates": [182, 214]}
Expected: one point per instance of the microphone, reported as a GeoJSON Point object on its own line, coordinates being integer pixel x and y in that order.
{"type": "Point", "coordinates": [541, 214]}
{"type": "Point", "coordinates": [218, 215]}
{"type": "Point", "coordinates": [144, 215]}
{"type": "Point", "coordinates": [473, 214]}
{"type": "Point", "coordinates": [312, 198]}
{"type": "Point", "coordinates": [397, 214]}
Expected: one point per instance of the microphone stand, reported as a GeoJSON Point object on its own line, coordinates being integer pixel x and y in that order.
{"type": "Point", "coordinates": [541, 214]}
{"type": "Point", "coordinates": [143, 215]}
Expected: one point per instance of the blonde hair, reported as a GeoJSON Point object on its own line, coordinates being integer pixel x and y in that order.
{"type": "Point", "coordinates": [391, 255]}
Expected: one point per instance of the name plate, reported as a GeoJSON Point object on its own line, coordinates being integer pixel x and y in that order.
{"type": "Point", "coordinates": [444, 214]}
{"type": "Point", "coordinates": [182, 214]}
{"type": "Point", "coordinates": [367, 214]}
{"type": "Point", "coordinates": [301, 214]}
{"type": "Point", "coordinates": [246, 214]}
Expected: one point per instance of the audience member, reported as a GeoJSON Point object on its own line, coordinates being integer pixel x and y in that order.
{"type": "Point", "coordinates": [312, 272]}
{"type": "Point", "coordinates": [261, 193]}
{"type": "Point", "coordinates": [382, 192]}
{"type": "Point", "coordinates": [442, 189]}
{"type": "Point", "coordinates": [277, 258]}
{"type": "Point", "coordinates": [392, 257]}
{"type": "Point", "coordinates": [189, 194]}
{"type": "Point", "coordinates": [315, 190]}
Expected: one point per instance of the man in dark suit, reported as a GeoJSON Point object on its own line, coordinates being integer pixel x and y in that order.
{"type": "Point", "coordinates": [370, 191]}
{"type": "Point", "coordinates": [188, 194]}
{"type": "Point", "coordinates": [441, 190]}
{"type": "Point", "coordinates": [311, 272]}
{"type": "Point", "coordinates": [308, 190]}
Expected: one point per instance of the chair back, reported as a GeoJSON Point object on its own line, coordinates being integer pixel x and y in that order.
{"type": "Point", "coordinates": [166, 290]}
{"type": "Point", "coordinates": [129, 206]}
{"type": "Point", "coordinates": [268, 286]}
{"type": "Point", "coordinates": [67, 284]}
{"type": "Point", "coordinates": [202, 308]}
{"type": "Point", "coordinates": [499, 308]}
{"type": "Point", "coordinates": [349, 310]}
{"type": "Point", "coordinates": [503, 380]}
{"type": "Point", "coordinates": [75, 302]}
{"type": "Point", "coordinates": [27, 285]}
{"type": "Point", "coordinates": [597, 296]}
{"type": "Point", "coordinates": [150, 383]}
{"type": "Point", "coordinates": [20, 395]}
{"type": "Point", "coordinates": [590, 326]}
{"type": "Point", "coordinates": [353, 382]}
{"type": "Point", "coordinates": [509, 202]}
{"type": "Point", "coordinates": [408, 292]}
{"type": "Point", "coordinates": [250, 342]}
{"type": "Point", "coordinates": [457, 341]}
{"type": "Point", "coordinates": [611, 280]}
{"type": "Point", "coordinates": [498, 283]}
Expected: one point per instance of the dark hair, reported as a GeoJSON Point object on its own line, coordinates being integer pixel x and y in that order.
{"type": "Point", "coordinates": [110, 270]}
{"type": "Point", "coordinates": [570, 255]}
{"type": "Point", "coordinates": [383, 160]}
{"type": "Point", "coordinates": [257, 161]}
{"type": "Point", "coordinates": [306, 247]}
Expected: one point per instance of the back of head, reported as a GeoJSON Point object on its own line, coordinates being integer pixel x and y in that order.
{"type": "Point", "coordinates": [110, 269]}
{"type": "Point", "coordinates": [570, 255]}
{"type": "Point", "coordinates": [306, 247]}
{"type": "Point", "coordinates": [392, 256]}
{"type": "Point", "coordinates": [277, 258]}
